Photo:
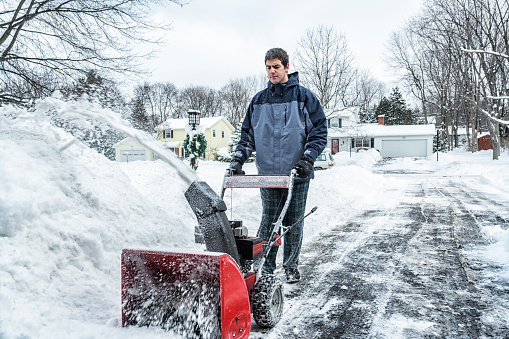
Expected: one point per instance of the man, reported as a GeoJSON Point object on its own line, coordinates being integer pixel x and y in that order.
{"type": "Point", "coordinates": [286, 126]}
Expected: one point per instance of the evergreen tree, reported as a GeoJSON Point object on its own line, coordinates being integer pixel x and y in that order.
{"type": "Point", "coordinates": [395, 110]}
{"type": "Point", "coordinates": [234, 140]}
{"type": "Point", "coordinates": [383, 108]}
{"type": "Point", "coordinates": [410, 117]}
{"type": "Point", "coordinates": [396, 114]}
{"type": "Point", "coordinates": [232, 145]}
{"type": "Point", "coordinates": [138, 116]}
{"type": "Point", "coordinates": [368, 115]}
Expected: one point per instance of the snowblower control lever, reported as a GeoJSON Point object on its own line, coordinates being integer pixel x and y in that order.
{"type": "Point", "coordinates": [287, 228]}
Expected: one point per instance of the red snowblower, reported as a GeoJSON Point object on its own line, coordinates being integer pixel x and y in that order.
{"type": "Point", "coordinates": [210, 294]}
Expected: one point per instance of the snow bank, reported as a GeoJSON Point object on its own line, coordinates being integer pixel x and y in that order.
{"type": "Point", "coordinates": [66, 212]}
{"type": "Point", "coordinates": [364, 159]}
{"type": "Point", "coordinates": [343, 190]}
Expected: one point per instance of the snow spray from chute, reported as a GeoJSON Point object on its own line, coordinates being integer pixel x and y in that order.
{"type": "Point", "coordinates": [197, 295]}
{"type": "Point", "coordinates": [79, 111]}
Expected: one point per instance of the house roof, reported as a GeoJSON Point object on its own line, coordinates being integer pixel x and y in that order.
{"type": "Point", "coordinates": [123, 141]}
{"type": "Point", "coordinates": [377, 130]}
{"type": "Point", "coordinates": [181, 123]}
{"type": "Point", "coordinates": [346, 112]}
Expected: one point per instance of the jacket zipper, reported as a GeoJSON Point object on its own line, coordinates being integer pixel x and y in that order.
{"type": "Point", "coordinates": [285, 115]}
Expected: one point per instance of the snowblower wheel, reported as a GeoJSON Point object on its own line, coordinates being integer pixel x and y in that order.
{"type": "Point", "coordinates": [267, 301]}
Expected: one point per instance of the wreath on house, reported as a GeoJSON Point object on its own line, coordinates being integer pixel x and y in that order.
{"type": "Point", "coordinates": [195, 147]}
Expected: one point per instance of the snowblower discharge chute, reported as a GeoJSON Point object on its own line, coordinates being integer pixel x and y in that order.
{"type": "Point", "coordinates": [210, 294]}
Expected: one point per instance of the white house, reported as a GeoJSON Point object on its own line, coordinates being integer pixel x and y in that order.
{"type": "Point", "coordinates": [390, 141]}
{"type": "Point", "coordinates": [344, 118]}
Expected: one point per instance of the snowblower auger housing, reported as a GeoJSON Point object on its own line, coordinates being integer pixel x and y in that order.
{"type": "Point", "coordinates": [206, 295]}
{"type": "Point", "coordinates": [197, 295]}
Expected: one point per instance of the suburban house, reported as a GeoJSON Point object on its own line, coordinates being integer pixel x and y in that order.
{"type": "Point", "coordinates": [341, 121]}
{"type": "Point", "coordinates": [217, 131]}
{"type": "Point", "coordinates": [345, 118]}
{"type": "Point", "coordinates": [346, 134]}
{"type": "Point", "coordinates": [129, 149]}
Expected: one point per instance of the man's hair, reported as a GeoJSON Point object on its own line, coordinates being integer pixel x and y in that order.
{"type": "Point", "coordinates": [277, 53]}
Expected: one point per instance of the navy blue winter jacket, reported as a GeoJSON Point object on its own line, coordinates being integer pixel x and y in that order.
{"type": "Point", "coordinates": [283, 122]}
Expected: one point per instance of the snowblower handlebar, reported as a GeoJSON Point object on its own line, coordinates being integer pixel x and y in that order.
{"type": "Point", "coordinates": [257, 181]}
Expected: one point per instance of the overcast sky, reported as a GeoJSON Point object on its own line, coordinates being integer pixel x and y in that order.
{"type": "Point", "coordinates": [213, 41]}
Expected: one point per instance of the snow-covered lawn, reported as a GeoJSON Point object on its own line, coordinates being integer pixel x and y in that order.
{"type": "Point", "coordinates": [66, 213]}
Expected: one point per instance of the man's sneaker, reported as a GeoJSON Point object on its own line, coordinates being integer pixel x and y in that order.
{"type": "Point", "coordinates": [292, 275]}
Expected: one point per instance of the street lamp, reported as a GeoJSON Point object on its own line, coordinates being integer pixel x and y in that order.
{"type": "Point", "coordinates": [194, 118]}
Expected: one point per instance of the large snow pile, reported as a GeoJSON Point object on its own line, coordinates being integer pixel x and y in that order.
{"type": "Point", "coordinates": [66, 212]}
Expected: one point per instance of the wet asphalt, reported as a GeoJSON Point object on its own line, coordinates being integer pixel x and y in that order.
{"type": "Point", "coordinates": [402, 268]}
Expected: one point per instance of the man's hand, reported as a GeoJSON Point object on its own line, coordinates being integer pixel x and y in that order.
{"type": "Point", "coordinates": [304, 167]}
{"type": "Point", "coordinates": [236, 167]}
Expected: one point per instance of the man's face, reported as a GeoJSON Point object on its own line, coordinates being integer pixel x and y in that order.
{"type": "Point", "coordinates": [276, 72]}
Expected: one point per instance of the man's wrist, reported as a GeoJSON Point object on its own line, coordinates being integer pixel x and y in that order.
{"type": "Point", "coordinates": [308, 159]}
{"type": "Point", "coordinates": [236, 159]}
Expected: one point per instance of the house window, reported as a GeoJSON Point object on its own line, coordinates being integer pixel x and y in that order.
{"type": "Point", "coordinates": [335, 122]}
{"type": "Point", "coordinates": [213, 133]}
{"type": "Point", "coordinates": [168, 134]}
{"type": "Point", "coordinates": [175, 150]}
{"type": "Point", "coordinates": [363, 143]}
{"type": "Point", "coordinates": [222, 134]}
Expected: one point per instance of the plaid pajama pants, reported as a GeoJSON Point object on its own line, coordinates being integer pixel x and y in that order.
{"type": "Point", "coordinates": [273, 200]}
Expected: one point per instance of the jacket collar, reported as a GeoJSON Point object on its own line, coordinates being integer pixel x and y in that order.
{"type": "Point", "coordinates": [279, 89]}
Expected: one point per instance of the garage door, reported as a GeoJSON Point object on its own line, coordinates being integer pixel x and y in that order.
{"type": "Point", "coordinates": [132, 155]}
{"type": "Point", "coordinates": [404, 148]}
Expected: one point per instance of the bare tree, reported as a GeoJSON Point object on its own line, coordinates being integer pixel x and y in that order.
{"type": "Point", "coordinates": [154, 103]}
{"type": "Point", "coordinates": [455, 58]}
{"type": "Point", "coordinates": [236, 96]}
{"type": "Point", "coordinates": [162, 100]}
{"type": "Point", "coordinates": [325, 64]}
{"type": "Point", "coordinates": [365, 92]}
{"type": "Point", "coordinates": [489, 49]}
{"type": "Point", "coordinates": [478, 30]}
{"type": "Point", "coordinates": [44, 41]}
{"type": "Point", "coordinates": [201, 98]}
{"type": "Point", "coordinates": [405, 54]}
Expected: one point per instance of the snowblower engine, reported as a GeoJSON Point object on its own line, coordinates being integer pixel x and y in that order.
{"type": "Point", "coordinates": [249, 248]}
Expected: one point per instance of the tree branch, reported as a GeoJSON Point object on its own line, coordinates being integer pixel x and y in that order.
{"type": "Point", "coordinates": [485, 52]}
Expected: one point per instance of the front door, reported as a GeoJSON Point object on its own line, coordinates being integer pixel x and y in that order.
{"type": "Point", "coordinates": [335, 146]}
